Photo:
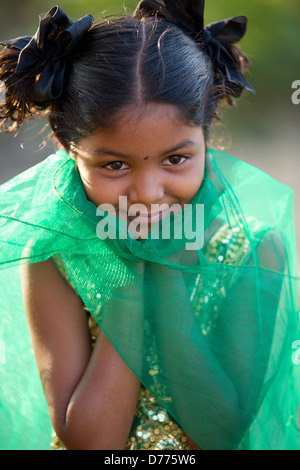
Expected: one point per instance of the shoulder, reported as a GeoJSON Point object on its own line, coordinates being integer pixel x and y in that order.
{"type": "Point", "coordinates": [48, 298]}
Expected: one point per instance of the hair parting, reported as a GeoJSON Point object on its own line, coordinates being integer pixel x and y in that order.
{"type": "Point", "coordinates": [126, 62]}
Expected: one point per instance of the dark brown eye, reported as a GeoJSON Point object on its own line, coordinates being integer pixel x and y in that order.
{"type": "Point", "coordinates": [175, 159]}
{"type": "Point", "coordinates": [114, 165]}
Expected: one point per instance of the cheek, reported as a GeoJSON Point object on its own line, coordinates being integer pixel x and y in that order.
{"type": "Point", "coordinates": [100, 190]}
{"type": "Point", "coordinates": [194, 181]}
{"type": "Point", "coordinates": [96, 191]}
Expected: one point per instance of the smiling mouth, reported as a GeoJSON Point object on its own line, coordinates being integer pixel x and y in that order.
{"type": "Point", "coordinates": [145, 218]}
{"type": "Point", "coordinates": [149, 218]}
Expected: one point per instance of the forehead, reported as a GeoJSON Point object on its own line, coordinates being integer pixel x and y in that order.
{"type": "Point", "coordinates": [144, 116]}
{"type": "Point", "coordinates": [147, 128]}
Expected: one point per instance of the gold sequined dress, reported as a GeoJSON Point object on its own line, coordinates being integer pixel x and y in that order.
{"type": "Point", "coordinates": [153, 428]}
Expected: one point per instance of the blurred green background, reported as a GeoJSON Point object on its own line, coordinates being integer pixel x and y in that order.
{"type": "Point", "coordinates": [262, 129]}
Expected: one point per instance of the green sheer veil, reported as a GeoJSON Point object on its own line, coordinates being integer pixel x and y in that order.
{"type": "Point", "coordinates": [211, 333]}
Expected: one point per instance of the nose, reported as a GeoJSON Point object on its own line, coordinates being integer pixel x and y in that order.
{"type": "Point", "coordinates": [146, 188]}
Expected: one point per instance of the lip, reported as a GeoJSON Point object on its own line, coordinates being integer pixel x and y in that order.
{"type": "Point", "coordinates": [151, 218]}
{"type": "Point", "coordinates": [146, 218]}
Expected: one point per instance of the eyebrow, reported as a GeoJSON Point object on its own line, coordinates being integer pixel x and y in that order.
{"type": "Point", "coordinates": [102, 151]}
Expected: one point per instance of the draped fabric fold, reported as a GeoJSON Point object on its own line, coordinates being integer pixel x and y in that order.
{"type": "Point", "coordinates": [208, 321]}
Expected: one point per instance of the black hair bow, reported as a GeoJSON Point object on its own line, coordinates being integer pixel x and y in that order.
{"type": "Point", "coordinates": [216, 37]}
{"type": "Point", "coordinates": [44, 55]}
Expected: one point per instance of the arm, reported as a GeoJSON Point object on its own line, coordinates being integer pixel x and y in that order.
{"type": "Point", "coordinates": [250, 338]}
{"type": "Point", "coordinates": [92, 395]}
{"type": "Point", "coordinates": [203, 394]}
{"type": "Point", "coordinates": [221, 374]}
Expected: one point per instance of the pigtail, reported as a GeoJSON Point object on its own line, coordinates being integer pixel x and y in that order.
{"type": "Point", "coordinates": [226, 90]}
{"type": "Point", "coordinates": [33, 68]}
{"type": "Point", "coordinates": [216, 39]}
{"type": "Point", "coordinates": [19, 103]}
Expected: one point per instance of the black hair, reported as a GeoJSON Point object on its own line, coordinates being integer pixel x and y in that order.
{"type": "Point", "coordinates": [120, 63]}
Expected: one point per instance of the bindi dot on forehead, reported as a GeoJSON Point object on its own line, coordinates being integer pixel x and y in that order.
{"type": "Point", "coordinates": [146, 158]}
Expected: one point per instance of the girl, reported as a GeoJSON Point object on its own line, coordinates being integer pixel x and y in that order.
{"type": "Point", "coordinates": [146, 335]}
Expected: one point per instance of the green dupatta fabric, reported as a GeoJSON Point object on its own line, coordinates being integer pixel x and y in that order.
{"type": "Point", "coordinates": [224, 335]}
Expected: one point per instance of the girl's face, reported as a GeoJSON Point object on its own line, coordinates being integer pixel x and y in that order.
{"type": "Point", "coordinates": [151, 157]}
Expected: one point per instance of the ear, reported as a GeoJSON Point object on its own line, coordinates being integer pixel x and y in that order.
{"type": "Point", "coordinates": [187, 14]}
